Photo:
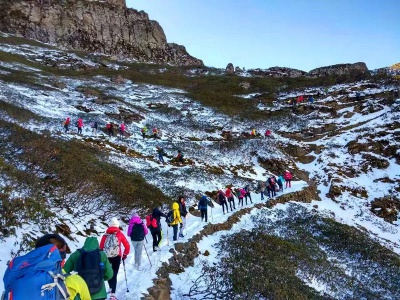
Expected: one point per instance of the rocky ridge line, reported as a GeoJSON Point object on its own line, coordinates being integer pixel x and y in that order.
{"type": "Point", "coordinates": [107, 27]}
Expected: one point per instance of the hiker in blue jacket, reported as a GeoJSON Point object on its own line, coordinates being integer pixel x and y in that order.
{"type": "Point", "coordinates": [203, 207]}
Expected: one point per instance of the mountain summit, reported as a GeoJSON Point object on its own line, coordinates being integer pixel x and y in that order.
{"type": "Point", "coordinates": [107, 27]}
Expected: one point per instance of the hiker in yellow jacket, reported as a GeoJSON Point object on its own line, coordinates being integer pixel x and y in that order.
{"type": "Point", "coordinates": [176, 215]}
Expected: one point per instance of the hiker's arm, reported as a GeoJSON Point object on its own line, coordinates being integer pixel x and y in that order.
{"type": "Point", "coordinates": [70, 263]}
{"type": "Point", "coordinates": [108, 271]}
{"type": "Point", "coordinates": [127, 246]}
{"type": "Point", "coordinates": [103, 240]}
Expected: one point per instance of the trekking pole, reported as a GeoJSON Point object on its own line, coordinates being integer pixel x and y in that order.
{"type": "Point", "coordinates": [212, 219]}
{"type": "Point", "coordinates": [145, 249]}
{"type": "Point", "coordinates": [126, 280]}
{"type": "Point", "coordinates": [167, 237]}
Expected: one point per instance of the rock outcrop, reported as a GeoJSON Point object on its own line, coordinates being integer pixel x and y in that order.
{"type": "Point", "coordinates": [278, 72]}
{"type": "Point", "coordinates": [107, 27]}
{"type": "Point", "coordinates": [358, 69]}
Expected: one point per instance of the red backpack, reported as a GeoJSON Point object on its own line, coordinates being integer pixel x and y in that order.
{"type": "Point", "coordinates": [151, 222]}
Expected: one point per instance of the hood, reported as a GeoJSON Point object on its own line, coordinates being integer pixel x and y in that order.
{"type": "Point", "coordinates": [204, 198]}
{"type": "Point", "coordinates": [91, 243]}
{"type": "Point", "coordinates": [135, 220]}
{"type": "Point", "coordinates": [112, 229]}
{"type": "Point", "coordinates": [175, 206]}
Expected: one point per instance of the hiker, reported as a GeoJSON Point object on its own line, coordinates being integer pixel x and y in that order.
{"type": "Point", "coordinates": [358, 96]}
{"type": "Point", "coordinates": [95, 126]}
{"type": "Point", "coordinates": [67, 122]}
{"type": "Point", "coordinates": [155, 132]}
{"type": "Point", "coordinates": [268, 189]}
{"type": "Point", "coordinates": [160, 152]}
{"type": "Point", "coordinates": [93, 266]}
{"type": "Point", "coordinates": [183, 211]}
{"type": "Point", "coordinates": [176, 220]}
{"type": "Point", "coordinates": [280, 183]}
{"type": "Point", "coordinates": [272, 184]}
{"type": "Point", "coordinates": [248, 193]}
{"type": "Point", "coordinates": [137, 230]}
{"type": "Point", "coordinates": [231, 199]}
{"type": "Point", "coordinates": [76, 286]}
{"type": "Point", "coordinates": [261, 188]}
{"type": "Point", "coordinates": [300, 99]}
{"type": "Point", "coordinates": [311, 99]}
{"type": "Point", "coordinates": [267, 133]}
{"type": "Point", "coordinates": [288, 178]}
{"type": "Point", "coordinates": [111, 244]}
{"type": "Point", "coordinates": [122, 129]}
{"type": "Point", "coordinates": [143, 131]}
{"type": "Point", "coordinates": [253, 132]}
{"type": "Point", "coordinates": [79, 124]}
{"type": "Point", "coordinates": [203, 207]}
{"type": "Point", "coordinates": [241, 193]}
{"type": "Point", "coordinates": [222, 201]}
{"type": "Point", "coordinates": [156, 231]}
{"type": "Point", "coordinates": [180, 157]}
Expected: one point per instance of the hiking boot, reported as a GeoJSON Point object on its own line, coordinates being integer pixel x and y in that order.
{"type": "Point", "coordinates": [139, 268]}
{"type": "Point", "coordinates": [157, 248]}
{"type": "Point", "coordinates": [181, 235]}
{"type": "Point", "coordinates": [112, 297]}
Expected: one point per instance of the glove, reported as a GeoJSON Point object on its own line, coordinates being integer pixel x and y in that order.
{"type": "Point", "coordinates": [124, 257]}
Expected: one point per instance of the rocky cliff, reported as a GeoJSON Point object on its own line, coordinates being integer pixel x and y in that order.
{"type": "Point", "coordinates": [107, 27]}
{"type": "Point", "coordinates": [358, 69]}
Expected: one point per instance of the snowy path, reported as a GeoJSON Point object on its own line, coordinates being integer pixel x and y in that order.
{"type": "Point", "coordinates": [140, 281]}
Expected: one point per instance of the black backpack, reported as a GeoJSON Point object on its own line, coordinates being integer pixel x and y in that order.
{"type": "Point", "coordinates": [91, 269]}
{"type": "Point", "coordinates": [137, 233]}
{"type": "Point", "coordinates": [170, 217]}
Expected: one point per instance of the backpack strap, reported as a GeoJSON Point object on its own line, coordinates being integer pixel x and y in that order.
{"type": "Point", "coordinates": [50, 286]}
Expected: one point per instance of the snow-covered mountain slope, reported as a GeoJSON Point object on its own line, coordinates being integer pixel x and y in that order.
{"type": "Point", "coordinates": [343, 150]}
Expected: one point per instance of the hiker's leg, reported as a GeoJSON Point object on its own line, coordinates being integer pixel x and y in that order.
{"type": "Point", "coordinates": [159, 237]}
{"type": "Point", "coordinates": [155, 242]}
{"type": "Point", "coordinates": [115, 262]}
{"type": "Point", "coordinates": [138, 258]}
{"type": "Point", "coordinates": [182, 226]}
{"type": "Point", "coordinates": [175, 230]}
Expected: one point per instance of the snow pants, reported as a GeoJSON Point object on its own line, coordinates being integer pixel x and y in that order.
{"type": "Point", "coordinates": [138, 247]}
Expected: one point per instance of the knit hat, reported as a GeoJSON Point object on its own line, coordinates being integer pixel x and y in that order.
{"type": "Point", "coordinates": [114, 222]}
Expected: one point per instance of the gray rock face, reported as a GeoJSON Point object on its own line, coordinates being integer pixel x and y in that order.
{"type": "Point", "coordinates": [278, 72]}
{"type": "Point", "coordinates": [107, 27]}
{"type": "Point", "coordinates": [356, 69]}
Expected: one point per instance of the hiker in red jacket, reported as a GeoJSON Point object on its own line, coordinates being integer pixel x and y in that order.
{"type": "Point", "coordinates": [66, 124]}
{"type": "Point", "coordinates": [114, 255]}
{"type": "Point", "coordinates": [122, 129]}
{"type": "Point", "coordinates": [230, 197]}
{"type": "Point", "coordinates": [80, 125]}
{"type": "Point", "coordinates": [267, 133]}
{"type": "Point", "coordinates": [288, 178]}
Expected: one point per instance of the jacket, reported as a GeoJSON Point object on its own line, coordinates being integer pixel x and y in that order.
{"type": "Point", "coordinates": [203, 203]}
{"type": "Point", "coordinates": [136, 220]}
{"type": "Point", "coordinates": [80, 123]}
{"type": "Point", "coordinates": [287, 175]}
{"type": "Point", "coordinates": [77, 287]}
{"type": "Point", "coordinates": [71, 264]}
{"type": "Point", "coordinates": [176, 214]}
{"type": "Point", "coordinates": [228, 193]}
{"type": "Point", "coordinates": [121, 240]}
{"type": "Point", "coordinates": [242, 193]}
{"type": "Point", "coordinates": [157, 214]}
{"type": "Point", "coordinates": [182, 209]}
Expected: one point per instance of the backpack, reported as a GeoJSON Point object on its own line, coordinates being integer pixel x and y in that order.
{"type": "Point", "coordinates": [91, 269]}
{"type": "Point", "coordinates": [36, 275]}
{"type": "Point", "coordinates": [111, 245]}
{"type": "Point", "coordinates": [137, 233]}
{"type": "Point", "coordinates": [221, 197]}
{"type": "Point", "coordinates": [170, 217]}
{"type": "Point", "coordinates": [151, 222]}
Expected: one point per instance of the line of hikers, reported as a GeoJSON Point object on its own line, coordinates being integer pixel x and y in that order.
{"type": "Point", "coordinates": [109, 127]}
{"type": "Point", "coordinates": [82, 276]}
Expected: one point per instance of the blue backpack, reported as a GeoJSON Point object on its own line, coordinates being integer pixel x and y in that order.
{"type": "Point", "coordinates": [36, 275]}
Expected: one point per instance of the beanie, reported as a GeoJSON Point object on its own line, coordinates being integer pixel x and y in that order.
{"type": "Point", "coordinates": [114, 222]}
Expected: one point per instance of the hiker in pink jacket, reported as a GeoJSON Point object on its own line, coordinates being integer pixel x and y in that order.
{"type": "Point", "coordinates": [137, 231]}
{"type": "Point", "coordinates": [122, 129]}
{"type": "Point", "coordinates": [241, 195]}
{"type": "Point", "coordinates": [288, 178]}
